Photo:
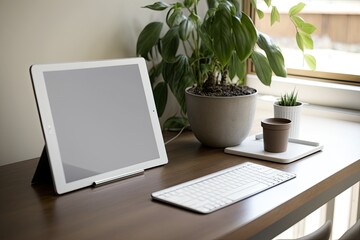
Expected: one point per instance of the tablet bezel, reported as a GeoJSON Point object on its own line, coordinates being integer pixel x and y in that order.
{"type": "Point", "coordinates": [49, 131]}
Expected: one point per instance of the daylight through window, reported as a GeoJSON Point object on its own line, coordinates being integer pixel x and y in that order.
{"type": "Point", "coordinates": [336, 39]}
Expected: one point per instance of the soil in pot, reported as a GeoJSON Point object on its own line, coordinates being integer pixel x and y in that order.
{"type": "Point", "coordinates": [222, 90]}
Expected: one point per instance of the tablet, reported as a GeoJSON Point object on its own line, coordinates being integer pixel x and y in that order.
{"type": "Point", "coordinates": [99, 120]}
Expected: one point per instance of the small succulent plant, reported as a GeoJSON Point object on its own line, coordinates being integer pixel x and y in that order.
{"type": "Point", "coordinates": [289, 99]}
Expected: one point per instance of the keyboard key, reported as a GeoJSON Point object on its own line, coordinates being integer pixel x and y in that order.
{"type": "Point", "coordinates": [246, 192]}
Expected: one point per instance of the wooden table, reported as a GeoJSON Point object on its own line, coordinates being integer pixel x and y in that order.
{"type": "Point", "coordinates": [124, 210]}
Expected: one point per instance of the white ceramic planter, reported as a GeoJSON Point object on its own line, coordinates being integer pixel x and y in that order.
{"type": "Point", "coordinates": [292, 113]}
{"type": "Point", "coordinates": [220, 121]}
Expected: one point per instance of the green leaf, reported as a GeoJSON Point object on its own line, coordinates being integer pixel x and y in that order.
{"type": "Point", "coordinates": [148, 38]}
{"type": "Point", "coordinates": [262, 68]}
{"type": "Point", "coordinates": [175, 18]}
{"type": "Point", "coordinates": [170, 44]}
{"type": "Point", "coordinates": [233, 66]}
{"type": "Point", "coordinates": [273, 54]}
{"type": "Point", "coordinates": [260, 14]}
{"type": "Point", "coordinates": [237, 6]}
{"type": "Point", "coordinates": [268, 2]}
{"type": "Point", "coordinates": [178, 77]}
{"type": "Point", "coordinates": [307, 40]}
{"type": "Point", "coordinates": [310, 61]}
{"type": "Point", "coordinates": [176, 123]}
{"type": "Point", "coordinates": [228, 5]}
{"type": "Point", "coordinates": [188, 3]}
{"type": "Point", "coordinates": [307, 28]}
{"type": "Point", "coordinates": [237, 68]}
{"type": "Point", "coordinates": [299, 41]}
{"type": "Point", "coordinates": [154, 73]}
{"type": "Point", "coordinates": [241, 71]}
{"type": "Point", "coordinates": [221, 34]}
{"type": "Point", "coordinates": [245, 36]}
{"type": "Point", "coordinates": [194, 18]}
{"type": "Point", "coordinates": [296, 9]}
{"type": "Point", "coordinates": [158, 6]}
{"type": "Point", "coordinates": [298, 21]}
{"type": "Point", "coordinates": [205, 35]}
{"type": "Point", "coordinates": [160, 96]}
{"type": "Point", "coordinates": [185, 29]}
{"type": "Point", "coordinates": [275, 16]}
{"type": "Point", "coordinates": [211, 3]}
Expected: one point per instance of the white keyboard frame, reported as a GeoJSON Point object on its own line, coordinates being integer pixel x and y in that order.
{"type": "Point", "coordinates": [159, 195]}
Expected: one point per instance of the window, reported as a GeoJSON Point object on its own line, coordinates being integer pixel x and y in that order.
{"type": "Point", "coordinates": [337, 51]}
{"type": "Point", "coordinates": [336, 40]}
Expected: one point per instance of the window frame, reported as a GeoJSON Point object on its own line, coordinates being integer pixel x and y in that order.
{"type": "Point", "coordinates": [319, 76]}
{"type": "Point", "coordinates": [335, 94]}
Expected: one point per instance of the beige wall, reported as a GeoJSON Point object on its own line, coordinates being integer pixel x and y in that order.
{"type": "Point", "coordinates": [49, 31]}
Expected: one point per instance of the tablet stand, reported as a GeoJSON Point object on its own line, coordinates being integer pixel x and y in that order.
{"type": "Point", "coordinates": [118, 178]}
{"type": "Point", "coordinates": [43, 172]}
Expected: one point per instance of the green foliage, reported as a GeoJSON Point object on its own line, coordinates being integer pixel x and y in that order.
{"type": "Point", "coordinates": [158, 6]}
{"type": "Point", "coordinates": [245, 36]}
{"type": "Point", "coordinates": [148, 38]}
{"type": "Point", "coordinates": [275, 15]}
{"type": "Point", "coordinates": [189, 48]}
{"type": "Point", "coordinates": [175, 123]}
{"type": "Point", "coordinates": [160, 93]}
{"type": "Point", "coordinates": [296, 9]}
{"type": "Point", "coordinates": [303, 29]}
{"type": "Point", "coordinates": [288, 99]}
{"type": "Point", "coordinates": [310, 61]}
{"type": "Point", "coordinates": [273, 54]}
{"type": "Point", "coordinates": [262, 67]}
{"type": "Point", "coordinates": [303, 34]}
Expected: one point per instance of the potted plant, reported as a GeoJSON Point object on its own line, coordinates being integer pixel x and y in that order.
{"type": "Point", "coordinates": [288, 107]}
{"type": "Point", "coordinates": [207, 56]}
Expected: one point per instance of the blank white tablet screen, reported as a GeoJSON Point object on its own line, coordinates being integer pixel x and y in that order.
{"type": "Point", "coordinates": [101, 119]}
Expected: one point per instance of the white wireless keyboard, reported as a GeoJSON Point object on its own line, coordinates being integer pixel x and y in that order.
{"type": "Point", "coordinates": [220, 189]}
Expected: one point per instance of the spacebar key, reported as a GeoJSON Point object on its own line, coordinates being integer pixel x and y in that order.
{"type": "Point", "coordinates": [247, 192]}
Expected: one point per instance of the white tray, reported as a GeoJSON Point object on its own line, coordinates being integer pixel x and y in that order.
{"type": "Point", "coordinates": [253, 147]}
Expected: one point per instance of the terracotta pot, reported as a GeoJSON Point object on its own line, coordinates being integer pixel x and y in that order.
{"type": "Point", "coordinates": [276, 134]}
{"type": "Point", "coordinates": [220, 121]}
